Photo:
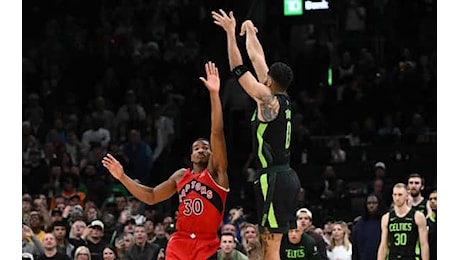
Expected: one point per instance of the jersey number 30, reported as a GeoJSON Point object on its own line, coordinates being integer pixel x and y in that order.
{"type": "Point", "coordinates": [193, 206]}
{"type": "Point", "coordinates": [400, 239]}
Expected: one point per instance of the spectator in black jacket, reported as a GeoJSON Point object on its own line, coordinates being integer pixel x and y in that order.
{"type": "Point", "coordinates": [141, 248]}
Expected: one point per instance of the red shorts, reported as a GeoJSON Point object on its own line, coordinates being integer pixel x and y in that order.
{"type": "Point", "coordinates": [184, 245]}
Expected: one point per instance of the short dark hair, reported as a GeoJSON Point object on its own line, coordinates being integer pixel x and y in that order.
{"type": "Point", "coordinates": [417, 175]}
{"type": "Point", "coordinates": [201, 139]}
{"type": "Point", "coordinates": [227, 234]}
{"type": "Point", "coordinates": [281, 74]}
{"type": "Point", "coordinates": [59, 223]}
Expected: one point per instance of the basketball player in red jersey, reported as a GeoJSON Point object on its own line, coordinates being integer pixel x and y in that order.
{"type": "Point", "coordinates": [202, 189]}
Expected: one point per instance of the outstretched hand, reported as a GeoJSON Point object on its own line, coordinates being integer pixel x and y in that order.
{"type": "Point", "coordinates": [248, 25]}
{"type": "Point", "coordinates": [225, 21]}
{"type": "Point", "coordinates": [212, 81]}
{"type": "Point", "coordinates": [113, 165]}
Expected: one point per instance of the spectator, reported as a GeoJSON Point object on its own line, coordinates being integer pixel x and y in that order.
{"type": "Point", "coordinates": [94, 238]}
{"type": "Point", "coordinates": [130, 112]}
{"type": "Point", "coordinates": [389, 133]}
{"type": "Point", "coordinates": [51, 252]}
{"type": "Point", "coordinates": [136, 210]}
{"type": "Point", "coordinates": [366, 233]}
{"type": "Point", "coordinates": [36, 224]}
{"type": "Point", "coordinates": [327, 228]}
{"type": "Point", "coordinates": [93, 179]}
{"type": "Point", "coordinates": [109, 253]}
{"type": "Point", "coordinates": [160, 236]}
{"type": "Point", "coordinates": [236, 217]}
{"type": "Point", "coordinates": [415, 130]}
{"type": "Point", "coordinates": [150, 229]}
{"type": "Point", "coordinates": [35, 247]}
{"type": "Point", "coordinates": [139, 155]}
{"type": "Point", "coordinates": [122, 243]}
{"type": "Point", "coordinates": [97, 135]}
{"type": "Point", "coordinates": [26, 207]}
{"type": "Point", "coordinates": [59, 230]}
{"type": "Point", "coordinates": [164, 131]}
{"type": "Point", "coordinates": [299, 245]}
{"type": "Point", "coordinates": [141, 249]}
{"type": "Point", "coordinates": [92, 213]}
{"type": "Point", "coordinates": [75, 148]}
{"type": "Point", "coordinates": [340, 247]}
{"type": "Point", "coordinates": [227, 248]}
{"type": "Point", "coordinates": [231, 228]}
{"type": "Point", "coordinates": [69, 187]}
{"type": "Point", "coordinates": [380, 173]}
{"type": "Point", "coordinates": [100, 111]}
{"type": "Point", "coordinates": [251, 241]}
{"type": "Point", "coordinates": [36, 174]}
{"type": "Point", "coordinates": [82, 253]}
{"type": "Point", "coordinates": [305, 224]}
{"type": "Point", "coordinates": [76, 232]}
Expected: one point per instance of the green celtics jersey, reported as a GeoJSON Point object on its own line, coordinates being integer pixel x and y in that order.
{"type": "Point", "coordinates": [403, 237]}
{"type": "Point", "coordinates": [306, 249]}
{"type": "Point", "coordinates": [422, 207]}
{"type": "Point", "coordinates": [272, 140]}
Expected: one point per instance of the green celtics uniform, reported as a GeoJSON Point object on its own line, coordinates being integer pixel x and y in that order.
{"type": "Point", "coordinates": [306, 249]}
{"type": "Point", "coordinates": [403, 237]}
{"type": "Point", "coordinates": [422, 207]}
{"type": "Point", "coordinates": [271, 145]}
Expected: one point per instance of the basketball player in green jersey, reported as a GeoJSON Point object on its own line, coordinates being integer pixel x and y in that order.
{"type": "Point", "coordinates": [416, 184]}
{"type": "Point", "coordinates": [404, 230]}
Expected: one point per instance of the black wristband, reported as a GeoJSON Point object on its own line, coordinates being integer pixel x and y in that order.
{"type": "Point", "coordinates": [239, 70]}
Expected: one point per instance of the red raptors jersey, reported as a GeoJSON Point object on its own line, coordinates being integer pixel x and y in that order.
{"type": "Point", "coordinates": [201, 203]}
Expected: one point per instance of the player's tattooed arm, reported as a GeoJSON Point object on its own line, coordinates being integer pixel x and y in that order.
{"type": "Point", "coordinates": [268, 107]}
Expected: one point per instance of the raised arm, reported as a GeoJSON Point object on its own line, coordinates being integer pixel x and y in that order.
{"type": "Point", "coordinates": [218, 162]}
{"type": "Point", "coordinates": [255, 50]}
{"type": "Point", "coordinates": [148, 195]}
{"type": "Point", "coordinates": [420, 220]}
{"type": "Point", "coordinates": [383, 247]}
{"type": "Point", "coordinates": [256, 90]}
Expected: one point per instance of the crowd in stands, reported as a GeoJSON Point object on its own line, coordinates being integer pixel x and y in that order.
{"type": "Point", "coordinates": [122, 77]}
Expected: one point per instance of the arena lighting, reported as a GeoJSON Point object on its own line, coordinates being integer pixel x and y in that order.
{"type": "Point", "coordinates": [296, 7]}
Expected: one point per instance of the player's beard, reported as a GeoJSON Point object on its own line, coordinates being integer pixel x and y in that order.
{"type": "Point", "coordinates": [414, 193]}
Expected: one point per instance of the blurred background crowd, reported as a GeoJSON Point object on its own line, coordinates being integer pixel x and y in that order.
{"type": "Point", "coordinates": [122, 77]}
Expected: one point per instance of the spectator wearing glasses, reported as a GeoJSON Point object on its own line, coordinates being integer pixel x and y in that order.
{"type": "Point", "coordinates": [82, 253]}
{"type": "Point", "coordinates": [366, 230]}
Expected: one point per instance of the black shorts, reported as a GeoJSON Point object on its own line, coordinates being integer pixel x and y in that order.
{"type": "Point", "coordinates": [276, 190]}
